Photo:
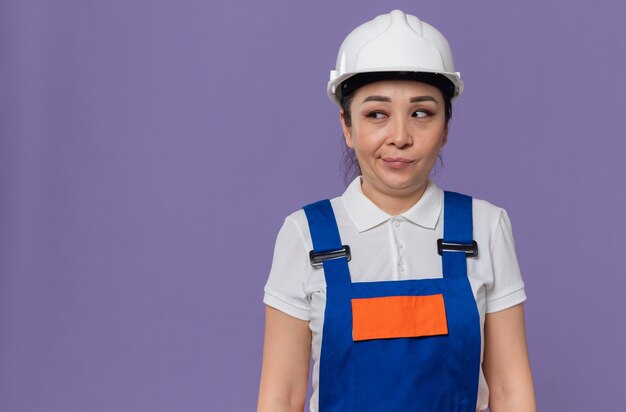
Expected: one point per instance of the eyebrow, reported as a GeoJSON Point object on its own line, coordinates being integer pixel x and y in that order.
{"type": "Point", "coordinates": [387, 99]}
{"type": "Point", "coordinates": [423, 99]}
{"type": "Point", "coordinates": [376, 99]}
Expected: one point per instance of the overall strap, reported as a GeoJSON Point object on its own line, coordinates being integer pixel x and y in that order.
{"type": "Point", "coordinates": [457, 229]}
{"type": "Point", "coordinates": [325, 237]}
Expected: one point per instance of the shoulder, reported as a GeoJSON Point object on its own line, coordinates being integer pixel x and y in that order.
{"type": "Point", "coordinates": [294, 227]}
{"type": "Point", "coordinates": [491, 224]}
{"type": "Point", "coordinates": [488, 220]}
{"type": "Point", "coordinates": [487, 213]}
{"type": "Point", "coordinates": [296, 224]}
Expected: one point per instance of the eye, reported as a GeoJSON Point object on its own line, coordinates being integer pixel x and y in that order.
{"type": "Point", "coordinates": [376, 115]}
{"type": "Point", "coordinates": [421, 113]}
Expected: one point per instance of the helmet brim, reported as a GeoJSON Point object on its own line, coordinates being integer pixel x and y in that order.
{"type": "Point", "coordinates": [449, 83]}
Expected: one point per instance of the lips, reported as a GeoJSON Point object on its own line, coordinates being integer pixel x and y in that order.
{"type": "Point", "coordinates": [397, 159]}
{"type": "Point", "coordinates": [397, 162]}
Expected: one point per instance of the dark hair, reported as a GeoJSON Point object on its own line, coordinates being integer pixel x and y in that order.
{"type": "Point", "coordinates": [350, 165]}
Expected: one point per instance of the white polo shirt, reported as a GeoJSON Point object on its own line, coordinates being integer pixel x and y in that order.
{"type": "Point", "coordinates": [386, 247]}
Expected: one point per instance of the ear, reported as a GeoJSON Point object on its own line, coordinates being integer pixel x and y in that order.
{"type": "Point", "coordinates": [346, 130]}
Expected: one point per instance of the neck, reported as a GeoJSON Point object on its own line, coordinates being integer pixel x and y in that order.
{"type": "Point", "coordinates": [394, 201]}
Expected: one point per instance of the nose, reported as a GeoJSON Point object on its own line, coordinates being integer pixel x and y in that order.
{"type": "Point", "coordinates": [400, 133]}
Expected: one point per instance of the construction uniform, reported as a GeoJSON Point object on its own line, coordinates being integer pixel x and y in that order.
{"type": "Point", "coordinates": [399, 326]}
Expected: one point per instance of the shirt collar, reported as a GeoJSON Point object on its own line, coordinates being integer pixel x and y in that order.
{"type": "Point", "coordinates": [366, 215]}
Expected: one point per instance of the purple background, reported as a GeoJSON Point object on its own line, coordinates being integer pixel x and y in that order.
{"type": "Point", "coordinates": [151, 149]}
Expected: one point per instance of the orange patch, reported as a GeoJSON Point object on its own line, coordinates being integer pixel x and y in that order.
{"type": "Point", "coordinates": [398, 317]}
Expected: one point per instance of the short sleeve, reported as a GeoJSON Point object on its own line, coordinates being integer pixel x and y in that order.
{"type": "Point", "coordinates": [507, 288]}
{"type": "Point", "coordinates": [285, 289]}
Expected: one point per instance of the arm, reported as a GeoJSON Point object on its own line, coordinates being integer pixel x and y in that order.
{"type": "Point", "coordinates": [505, 364]}
{"type": "Point", "coordinates": [286, 357]}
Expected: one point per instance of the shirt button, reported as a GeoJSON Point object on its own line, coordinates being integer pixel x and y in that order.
{"type": "Point", "coordinates": [400, 246]}
{"type": "Point", "coordinates": [397, 223]}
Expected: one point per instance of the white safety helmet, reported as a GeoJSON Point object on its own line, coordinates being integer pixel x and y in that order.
{"type": "Point", "coordinates": [395, 43]}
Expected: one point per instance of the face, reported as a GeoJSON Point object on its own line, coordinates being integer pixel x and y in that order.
{"type": "Point", "coordinates": [397, 130]}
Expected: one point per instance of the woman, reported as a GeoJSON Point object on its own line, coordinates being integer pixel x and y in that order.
{"type": "Point", "coordinates": [408, 298]}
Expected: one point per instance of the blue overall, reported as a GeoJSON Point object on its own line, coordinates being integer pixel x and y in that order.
{"type": "Point", "coordinates": [423, 373]}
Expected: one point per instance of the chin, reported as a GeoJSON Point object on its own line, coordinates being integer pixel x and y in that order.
{"type": "Point", "coordinates": [402, 183]}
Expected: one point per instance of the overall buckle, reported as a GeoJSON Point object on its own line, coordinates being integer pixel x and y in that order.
{"type": "Point", "coordinates": [317, 258]}
{"type": "Point", "coordinates": [470, 249]}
